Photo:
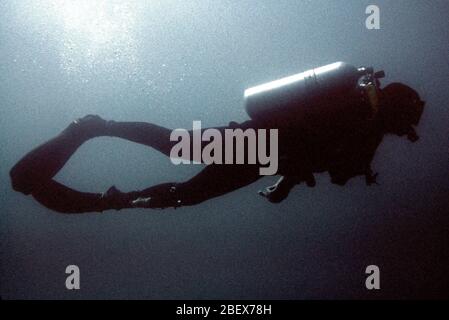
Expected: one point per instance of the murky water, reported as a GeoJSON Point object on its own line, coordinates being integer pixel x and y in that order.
{"type": "Point", "coordinates": [172, 62]}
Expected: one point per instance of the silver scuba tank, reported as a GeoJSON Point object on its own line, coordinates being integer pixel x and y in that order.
{"type": "Point", "coordinates": [309, 95]}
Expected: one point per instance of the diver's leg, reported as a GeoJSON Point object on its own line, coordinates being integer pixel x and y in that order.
{"type": "Point", "coordinates": [158, 137]}
{"type": "Point", "coordinates": [151, 135]}
{"type": "Point", "coordinates": [43, 162]}
{"type": "Point", "coordinates": [213, 181]}
{"type": "Point", "coordinates": [144, 133]}
{"type": "Point", "coordinates": [60, 198]}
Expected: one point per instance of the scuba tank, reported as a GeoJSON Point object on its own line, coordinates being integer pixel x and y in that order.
{"type": "Point", "coordinates": [314, 95]}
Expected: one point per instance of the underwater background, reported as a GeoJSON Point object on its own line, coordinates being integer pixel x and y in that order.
{"type": "Point", "coordinates": [171, 62]}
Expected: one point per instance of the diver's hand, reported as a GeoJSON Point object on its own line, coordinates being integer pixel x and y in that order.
{"type": "Point", "coordinates": [267, 191]}
{"type": "Point", "coordinates": [281, 189]}
{"type": "Point", "coordinates": [274, 193]}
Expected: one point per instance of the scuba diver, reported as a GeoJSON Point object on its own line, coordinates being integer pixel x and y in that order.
{"type": "Point", "coordinates": [330, 119]}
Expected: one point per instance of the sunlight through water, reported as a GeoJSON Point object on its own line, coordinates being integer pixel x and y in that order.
{"type": "Point", "coordinates": [93, 35]}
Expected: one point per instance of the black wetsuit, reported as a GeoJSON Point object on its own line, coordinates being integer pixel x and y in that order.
{"type": "Point", "coordinates": [344, 151]}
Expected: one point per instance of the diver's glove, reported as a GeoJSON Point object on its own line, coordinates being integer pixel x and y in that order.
{"type": "Point", "coordinates": [272, 194]}
{"type": "Point", "coordinates": [281, 189]}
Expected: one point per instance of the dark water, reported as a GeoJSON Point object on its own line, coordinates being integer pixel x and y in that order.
{"type": "Point", "coordinates": [171, 62]}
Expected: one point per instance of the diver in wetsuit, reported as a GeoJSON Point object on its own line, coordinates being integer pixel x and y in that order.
{"type": "Point", "coordinates": [342, 143]}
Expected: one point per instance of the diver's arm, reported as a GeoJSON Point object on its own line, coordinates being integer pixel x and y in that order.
{"type": "Point", "coordinates": [354, 160]}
